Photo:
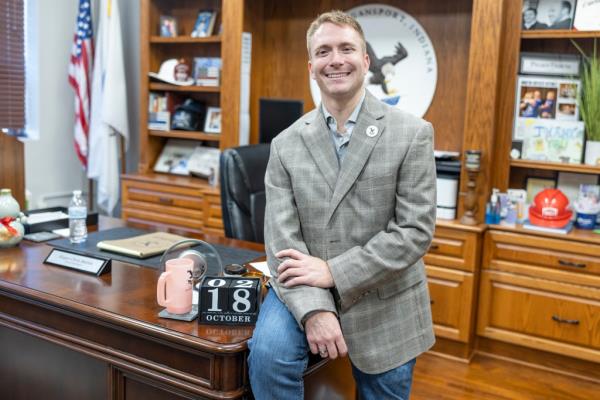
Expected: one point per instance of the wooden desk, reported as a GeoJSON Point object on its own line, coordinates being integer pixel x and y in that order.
{"type": "Point", "coordinates": [68, 335]}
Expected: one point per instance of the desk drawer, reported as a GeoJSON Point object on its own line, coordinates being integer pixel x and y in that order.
{"type": "Point", "coordinates": [453, 248]}
{"type": "Point", "coordinates": [539, 313]}
{"type": "Point", "coordinates": [557, 254]}
{"type": "Point", "coordinates": [164, 195]}
{"type": "Point", "coordinates": [451, 295]}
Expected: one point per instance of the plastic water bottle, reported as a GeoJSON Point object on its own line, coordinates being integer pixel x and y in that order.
{"type": "Point", "coordinates": [77, 217]}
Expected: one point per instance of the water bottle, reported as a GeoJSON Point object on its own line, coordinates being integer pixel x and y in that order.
{"type": "Point", "coordinates": [77, 217]}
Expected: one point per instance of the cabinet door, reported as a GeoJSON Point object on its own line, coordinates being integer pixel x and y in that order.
{"type": "Point", "coordinates": [451, 294]}
{"type": "Point", "coordinates": [539, 313]}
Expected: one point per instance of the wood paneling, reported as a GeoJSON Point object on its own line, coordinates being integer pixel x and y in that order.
{"type": "Point", "coordinates": [12, 167]}
{"type": "Point", "coordinates": [233, 15]}
{"type": "Point", "coordinates": [279, 68]}
{"type": "Point", "coordinates": [507, 80]}
{"type": "Point", "coordinates": [481, 102]}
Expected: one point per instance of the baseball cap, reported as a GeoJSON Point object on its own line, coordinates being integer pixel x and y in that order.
{"type": "Point", "coordinates": [188, 116]}
{"type": "Point", "coordinates": [175, 72]}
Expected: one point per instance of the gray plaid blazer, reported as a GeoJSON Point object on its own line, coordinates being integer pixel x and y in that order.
{"type": "Point", "coordinates": [372, 220]}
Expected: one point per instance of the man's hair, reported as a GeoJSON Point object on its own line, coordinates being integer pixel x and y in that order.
{"type": "Point", "coordinates": [336, 17]}
{"type": "Point", "coordinates": [530, 9]}
{"type": "Point", "coordinates": [567, 5]}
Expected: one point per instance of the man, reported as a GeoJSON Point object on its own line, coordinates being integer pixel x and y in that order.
{"type": "Point", "coordinates": [350, 213]}
{"type": "Point", "coordinates": [563, 19]}
{"type": "Point", "coordinates": [530, 20]}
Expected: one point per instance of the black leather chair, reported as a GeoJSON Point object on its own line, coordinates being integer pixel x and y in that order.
{"type": "Point", "coordinates": [242, 171]}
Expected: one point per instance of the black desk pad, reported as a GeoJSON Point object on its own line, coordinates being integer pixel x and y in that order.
{"type": "Point", "coordinates": [229, 255]}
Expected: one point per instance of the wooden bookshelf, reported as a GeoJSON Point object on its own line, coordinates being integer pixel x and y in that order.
{"type": "Point", "coordinates": [553, 166]}
{"type": "Point", "coordinates": [174, 88]}
{"type": "Point", "coordinates": [559, 34]}
{"type": "Point", "coordinates": [192, 135]}
{"type": "Point", "coordinates": [184, 204]}
{"type": "Point", "coordinates": [184, 39]}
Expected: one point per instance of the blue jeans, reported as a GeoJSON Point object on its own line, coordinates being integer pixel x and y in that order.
{"type": "Point", "coordinates": [279, 355]}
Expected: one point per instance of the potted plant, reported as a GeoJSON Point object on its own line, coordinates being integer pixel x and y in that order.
{"type": "Point", "coordinates": [589, 104]}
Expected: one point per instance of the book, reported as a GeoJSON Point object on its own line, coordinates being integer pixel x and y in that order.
{"type": "Point", "coordinates": [564, 230]}
{"type": "Point", "coordinates": [142, 246]}
{"type": "Point", "coordinates": [205, 24]}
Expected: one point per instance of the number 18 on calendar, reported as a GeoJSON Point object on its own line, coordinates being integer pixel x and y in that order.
{"type": "Point", "coordinates": [229, 301]}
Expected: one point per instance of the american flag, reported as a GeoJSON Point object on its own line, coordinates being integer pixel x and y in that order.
{"type": "Point", "coordinates": [80, 74]}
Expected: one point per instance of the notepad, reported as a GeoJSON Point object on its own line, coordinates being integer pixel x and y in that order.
{"type": "Point", "coordinates": [141, 246]}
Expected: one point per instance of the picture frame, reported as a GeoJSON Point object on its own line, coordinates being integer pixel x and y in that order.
{"type": "Point", "coordinates": [569, 183]}
{"type": "Point", "coordinates": [544, 97]}
{"type": "Point", "coordinates": [207, 71]}
{"type": "Point", "coordinates": [204, 25]}
{"type": "Point", "coordinates": [536, 184]}
{"type": "Point", "coordinates": [168, 26]}
{"type": "Point", "coordinates": [548, 14]}
{"type": "Point", "coordinates": [212, 124]}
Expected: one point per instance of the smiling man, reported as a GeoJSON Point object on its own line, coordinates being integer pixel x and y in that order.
{"type": "Point", "coordinates": [350, 213]}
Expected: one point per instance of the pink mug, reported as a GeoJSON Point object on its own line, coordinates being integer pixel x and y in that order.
{"type": "Point", "coordinates": [174, 288]}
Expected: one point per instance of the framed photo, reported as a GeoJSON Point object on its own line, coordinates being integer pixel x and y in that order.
{"type": "Point", "coordinates": [168, 26]}
{"type": "Point", "coordinates": [542, 97]}
{"type": "Point", "coordinates": [548, 14]}
{"type": "Point", "coordinates": [204, 24]}
{"type": "Point", "coordinates": [213, 120]}
{"type": "Point", "coordinates": [207, 71]}
{"type": "Point", "coordinates": [535, 185]}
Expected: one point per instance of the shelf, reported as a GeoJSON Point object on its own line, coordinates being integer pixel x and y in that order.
{"type": "Point", "coordinates": [578, 168]}
{"type": "Point", "coordinates": [210, 137]}
{"type": "Point", "coordinates": [559, 34]}
{"type": "Point", "coordinates": [184, 39]}
{"type": "Point", "coordinates": [175, 88]}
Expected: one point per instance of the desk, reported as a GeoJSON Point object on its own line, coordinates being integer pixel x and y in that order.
{"type": "Point", "coordinates": [68, 335]}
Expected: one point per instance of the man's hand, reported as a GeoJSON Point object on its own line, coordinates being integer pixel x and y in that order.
{"type": "Point", "coordinates": [324, 335]}
{"type": "Point", "coordinates": [302, 269]}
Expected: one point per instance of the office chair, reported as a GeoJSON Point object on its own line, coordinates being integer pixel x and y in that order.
{"type": "Point", "coordinates": [242, 175]}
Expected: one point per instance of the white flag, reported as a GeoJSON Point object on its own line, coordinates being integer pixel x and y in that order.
{"type": "Point", "coordinates": [109, 117]}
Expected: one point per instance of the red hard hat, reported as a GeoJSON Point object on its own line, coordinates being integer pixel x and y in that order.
{"type": "Point", "coordinates": [550, 209]}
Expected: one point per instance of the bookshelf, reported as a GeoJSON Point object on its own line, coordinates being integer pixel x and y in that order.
{"type": "Point", "coordinates": [184, 204]}
{"type": "Point", "coordinates": [513, 173]}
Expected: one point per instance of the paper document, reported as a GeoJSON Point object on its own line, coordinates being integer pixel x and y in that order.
{"type": "Point", "coordinates": [262, 267]}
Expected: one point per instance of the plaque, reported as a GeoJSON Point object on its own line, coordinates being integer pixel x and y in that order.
{"type": "Point", "coordinates": [79, 262]}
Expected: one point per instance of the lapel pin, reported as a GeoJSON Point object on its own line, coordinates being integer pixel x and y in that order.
{"type": "Point", "coordinates": [372, 131]}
